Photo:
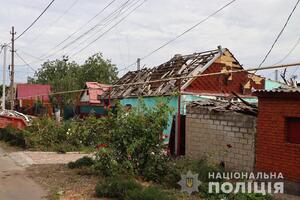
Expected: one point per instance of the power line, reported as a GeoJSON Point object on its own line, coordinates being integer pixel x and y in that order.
{"type": "Point", "coordinates": [118, 14]}
{"type": "Point", "coordinates": [55, 21]}
{"type": "Point", "coordinates": [35, 20]}
{"type": "Point", "coordinates": [116, 24]}
{"type": "Point", "coordinates": [25, 62]}
{"type": "Point", "coordinates": [290, 52]}
{"type": "Point", "coordinates": [183, 33]}
{"type": "Point", "coordinates": [77, 30]}
{"type": "Point", "coordinates": [280, 33]}
{"type": "Point", "coordinates": [107, 18]}
{"type": "Point", "coordinates": [176, 78]}
{"type": "Point", "coordinates": [113, 16]}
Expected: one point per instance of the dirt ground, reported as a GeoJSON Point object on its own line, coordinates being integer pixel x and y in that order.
{"type": "Point", "coordinates": [63, 183]}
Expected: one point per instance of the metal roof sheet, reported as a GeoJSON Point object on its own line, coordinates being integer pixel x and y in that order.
{"type": "Point", "coordinates": [95, 89]}
{"type": "Point", "coordinates": [33, 91]}
{"type": "Point", "coordinates": [282, 89]}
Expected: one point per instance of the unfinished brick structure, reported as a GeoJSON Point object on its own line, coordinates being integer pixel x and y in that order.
{"type": "Point", "coordinates": [223, 134]}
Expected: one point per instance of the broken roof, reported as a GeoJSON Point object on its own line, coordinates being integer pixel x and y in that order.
{"type": "Point", "coordinates": [222, 106]}
{"type": "Point", "coordinates": [95, 89]}
{"type": "Point", "coordinates": [178, 66]}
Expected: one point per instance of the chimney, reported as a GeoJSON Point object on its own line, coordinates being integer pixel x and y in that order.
{"type": "Point", "coordinates": [221, 51]}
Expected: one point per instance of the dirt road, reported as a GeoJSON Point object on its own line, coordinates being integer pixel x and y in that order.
{"type": "Point", "coordinates": [14, 185]}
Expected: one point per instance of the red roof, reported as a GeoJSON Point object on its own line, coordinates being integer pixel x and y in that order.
{"type": "Point", "coordinates": [33, 91]}
{"type": "Point", "coordinates": [95, 89]}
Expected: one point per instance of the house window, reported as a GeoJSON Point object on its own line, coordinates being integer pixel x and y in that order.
{"type": "Point", "coordinates": [293, 130]}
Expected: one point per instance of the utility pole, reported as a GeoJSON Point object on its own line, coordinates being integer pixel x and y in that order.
{"type": "Point", "coordinates": [276, 75]}
{"type": "Point", "coordinates": [138, 62]}
{"type": "Point", "coordinates": [4, 75]}
{"type": "Point", "coordinates": [12, 72]}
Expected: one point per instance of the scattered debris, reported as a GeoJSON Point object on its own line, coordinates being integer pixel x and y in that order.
{"type": "Point", "coordinates": [178, 66]}
{"type": "Point", "coordinates": [12, 113]}
{"type": "Point", "coordinates": [222, 106]}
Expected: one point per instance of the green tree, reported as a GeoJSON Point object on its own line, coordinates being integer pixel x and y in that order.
{"type": "Point", "coordinates": [98, 69]}
{"type": "Point", "coordinates": [62, 76]}
{"type": "Point", "coordinates": [65, 75]}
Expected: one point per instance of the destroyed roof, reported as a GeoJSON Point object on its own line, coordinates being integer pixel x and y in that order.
{"type": "Point", "coordinates": [94, 90]}
{"type": "Point", "coordinates": [222, 106]}
{"type": "Point", "coordinates": [178, 66]}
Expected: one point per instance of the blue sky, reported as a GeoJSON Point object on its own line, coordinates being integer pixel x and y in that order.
{"type": "Point", "coordinates": [247, 28]}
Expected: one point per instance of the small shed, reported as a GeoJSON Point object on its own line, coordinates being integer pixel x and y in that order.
{"type": "Point", "coordinates": [33, 99]}
{"type": "Point", "coordinates": [278, 132]}
{"type": "Point", "coordinates": [89, 103]}
{"type": "Point", "coordinates": [222, 132]}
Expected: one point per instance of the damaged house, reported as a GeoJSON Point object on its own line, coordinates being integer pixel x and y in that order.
{"type": "Point", "coordinates": [180, 92]}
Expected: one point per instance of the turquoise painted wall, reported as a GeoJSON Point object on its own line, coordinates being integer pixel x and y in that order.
{"type": "Point", "coordinates": [151, 102]}
{"type": "Point", "coordinates": [270, 84]}
{"type": "Point", "coordinates": [173, 103]}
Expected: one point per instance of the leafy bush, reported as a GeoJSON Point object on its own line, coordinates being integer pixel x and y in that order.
{"type": "Point", "coordinates": [156, 168]}
{"type": "Point", "coordinates": [150, 193]}
{"type": "Point", "coordinates": [73, 135]}
{"type": "Point", "coordinates": [81, 162]}
{"type": "Point", "coordinates": [133, 137]}
{"type": "Point", "coordinates": [116, 188]}
{"type": "Point", "coordinates": [176, 167]}
{"type": "Point", "coordinates": [13, 136]}
{"type": "Point", "coordinates": [106, 163]}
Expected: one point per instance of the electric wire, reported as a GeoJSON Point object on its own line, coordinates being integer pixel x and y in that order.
{"type": "Point", "coordinates": [78, 29]}
{"type": "Point", "coordinates": [183, 33]}
{"type": "Point", "coordinates": [105, 20]}
{"type": "Point", "coordinates": [177, 78]}
{"type": "Point", "coordinates": [115, 25]}
{"type": "Point", "coordinates": [280, 33]}
{"type": "Point", "coordinates": [48, 6]}
{"type": "Point", "coordinates": [55, 21]}
{"type": "Point", "coordinates": [120, 12]}
{"type": "Point", "coordinates": [25, 62]}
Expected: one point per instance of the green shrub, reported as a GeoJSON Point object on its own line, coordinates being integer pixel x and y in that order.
{"type": "Point", "coordinates": [150, 193]}
{"type": "Point", "coordinates": [72, 135]}
{"type": "Point", "coordinates": [116, 188]}
{"type": "Point", "coordinates": [13, 136]}
{"type": "Point", "coordinates": [179, 166]}
{"type": "Point", "coordinates": [81, 162]}
{"type": "Point", "coordinates": [132, 137]}
{"type": "Point", "coordinates": [156, 168]}
{"type": "Point", "coordinates": [106, 162]}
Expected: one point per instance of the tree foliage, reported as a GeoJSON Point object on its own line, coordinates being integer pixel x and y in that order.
{"type": "Point", "coordinates": [65, 75]}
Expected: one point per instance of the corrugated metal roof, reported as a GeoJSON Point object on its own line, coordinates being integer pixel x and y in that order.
{"type": "Point", "coordinates": [33, 91]}
{"type": "Point", "coordinates": [95, 89]}
{"type": "Point", "coordinates": [285, 89]}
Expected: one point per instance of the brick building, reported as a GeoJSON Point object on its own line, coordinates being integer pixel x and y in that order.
{"type": "Point", "coordinates": [188, 89]}
{"type": "Point", "coordinates": [278, 132]}
{"type": "Point", "coordinates": [223, 133]}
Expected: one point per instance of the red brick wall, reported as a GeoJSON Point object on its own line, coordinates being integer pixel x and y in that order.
{"type": "Point", "coordinates": [218, 84]}
{"type": "Point", "coordinates": [273, 153]}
